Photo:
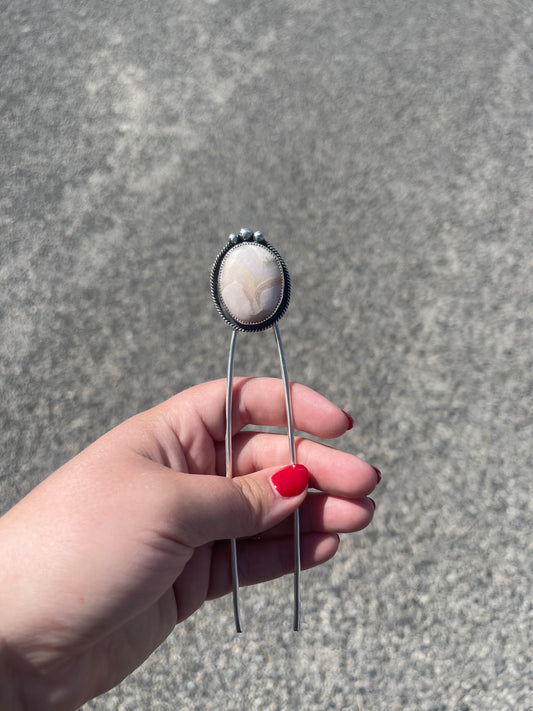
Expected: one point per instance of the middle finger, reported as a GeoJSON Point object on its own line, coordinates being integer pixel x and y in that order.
{"type": "Point", "coordinates": [331, 470]}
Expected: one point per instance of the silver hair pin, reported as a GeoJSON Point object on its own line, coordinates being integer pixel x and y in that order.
{"type": "Point", "coordinates": [251, 288]}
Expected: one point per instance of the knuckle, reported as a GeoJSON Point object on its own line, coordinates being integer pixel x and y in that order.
{"type": "Point", "coordinates": [251, 498]}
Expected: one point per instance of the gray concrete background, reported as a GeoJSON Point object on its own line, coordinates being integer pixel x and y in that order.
{"type": "Point", "coordinates": [385, 148]}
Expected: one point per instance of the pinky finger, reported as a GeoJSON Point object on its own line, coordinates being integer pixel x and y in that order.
{"type": "Point", "coordinates": [260, 560]}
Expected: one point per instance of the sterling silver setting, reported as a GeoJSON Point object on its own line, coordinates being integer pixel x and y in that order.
{"type": "Point", "coordinates": [234, 243]}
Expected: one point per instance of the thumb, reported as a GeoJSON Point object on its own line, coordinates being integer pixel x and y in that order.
{"type": "Point", "coordinates": [213, 507]}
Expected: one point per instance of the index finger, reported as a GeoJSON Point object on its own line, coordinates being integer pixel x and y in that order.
{"type": "Point", "coordinates": [261, 401]}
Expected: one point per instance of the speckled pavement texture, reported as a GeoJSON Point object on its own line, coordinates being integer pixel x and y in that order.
{"type": "Point", "coordinates": [386, 150]}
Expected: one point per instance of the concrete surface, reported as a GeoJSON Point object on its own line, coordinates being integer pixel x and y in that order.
{"type": "Point", "coordinates": [385, 149]}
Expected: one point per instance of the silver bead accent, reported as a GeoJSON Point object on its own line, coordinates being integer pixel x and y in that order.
{"type": "Point", "coordinates": [234, 238]}
{"type": "Point", "coordinates": [258, 237]}
{"type": "Point", "coordinates": [246, 234]}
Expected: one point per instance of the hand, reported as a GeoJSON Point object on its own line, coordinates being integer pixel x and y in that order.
{"type": "Point", "coordinates": [108, 554]}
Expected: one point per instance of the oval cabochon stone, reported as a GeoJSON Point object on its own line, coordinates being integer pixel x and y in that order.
{"type": "Point", "coordinates": [250, 283]}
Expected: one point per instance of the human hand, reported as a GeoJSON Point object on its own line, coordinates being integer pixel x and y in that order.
{"type": "Point", "coordinates": [110, 552]}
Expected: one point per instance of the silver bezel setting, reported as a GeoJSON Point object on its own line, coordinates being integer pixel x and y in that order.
{"type": "Point", "coordinates": [234, 241]}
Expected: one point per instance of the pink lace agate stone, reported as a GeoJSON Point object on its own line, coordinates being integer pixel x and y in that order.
{"type": "Point", "coordinates": [251, 283]}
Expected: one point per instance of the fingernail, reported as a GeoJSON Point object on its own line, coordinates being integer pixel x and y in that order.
{"type": "Point", "coordinates": [378, 473]}
{"type": "Point", "coordinates": [350, 420]}
{"type": "Point", "coordinates": [373, 503]}
{"type": "Point", "coordinates": [291, 480]}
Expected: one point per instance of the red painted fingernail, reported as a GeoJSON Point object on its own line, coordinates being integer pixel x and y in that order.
{"type": "Point", "coordinates": [291, 480]}
{"type": "Point", "coordinates": [378, 473]}
{"type": "Point", "coordinates": [373, 503]}
{"type": "Point", "coordinates": [350, 420]}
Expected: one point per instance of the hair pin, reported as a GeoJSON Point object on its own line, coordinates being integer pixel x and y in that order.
{"type": "Point", "coordinates": [251, 288]}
